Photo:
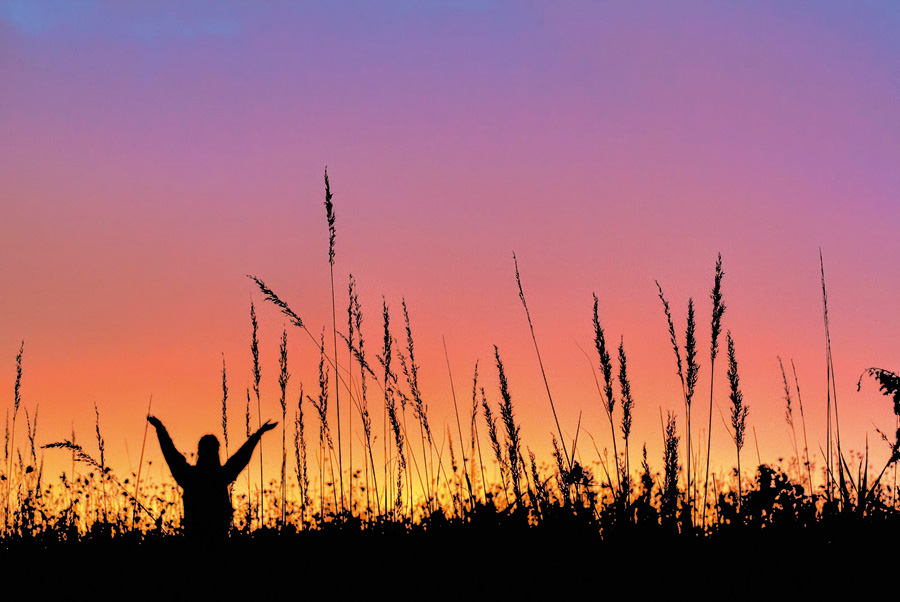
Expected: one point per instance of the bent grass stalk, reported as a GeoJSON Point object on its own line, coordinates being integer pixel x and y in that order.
{"type": "Point", "coordinates": [82, 456]}
{"type": "Point", "coordinates": [540, 362]}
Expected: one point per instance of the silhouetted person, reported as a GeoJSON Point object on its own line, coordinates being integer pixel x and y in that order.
{"type": "Point", "coordinates": [207, 504]}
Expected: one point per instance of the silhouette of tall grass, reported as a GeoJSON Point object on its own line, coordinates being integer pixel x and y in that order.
{"type": "Point", "coordinates": [300, 460]}
{"type": "Point", "coordinates": [738, 409]}
{"type": "Point", "coordinates": [257, 375]}
{"type": "Point", "coordinates": [607, 369]}
{"type": "Point", "coordinates": [805, 439]}
{"type": "Point", "coordinates": [540, 361]}
{"type": "Point", "coordinates": [831, 393]}
{"type": "Point", "coordinates": [688, 381]}
{"type": "Point", "coordinates": [524, 494]}
{"type": "Point", "coordinates": [354, 324]}
{"type": "Point", "coordinates": [330, 216]}
{"type": "Point", "coordinates": [11, 438]}
{"type": "Point", "coordinates": [462, 447]}
{"type": "Point", "coordinates": [715, 330]}
{"type": "Point", "coordinates": [411, 373]}
{"type": "Point", "coordinates": [669, 495]}
{"type": "Point", "coordinates": [513, 444]}
{"type": "Point", "coordinates": [390, 405]}
{"type": "Point", "coordinates": [789, 418]}
{"type": "Point", "coordinates": [283, 377]}
{"type": "Point", "coordinates": [627, 407]}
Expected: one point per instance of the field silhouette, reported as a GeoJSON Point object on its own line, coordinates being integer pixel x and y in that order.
{"type": "Point", "coordinates": [413, 492]}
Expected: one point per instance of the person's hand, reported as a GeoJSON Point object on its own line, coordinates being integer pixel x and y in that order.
{"type": "Point", "coordinates": [268, 426]}
{"type": "Point", "coordinates": [154, 421]}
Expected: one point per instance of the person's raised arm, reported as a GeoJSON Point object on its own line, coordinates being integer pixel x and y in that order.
{"type": "Point", "coordinates": [237, 462]}
{"type": "Point", "coordinates": [177, 464]}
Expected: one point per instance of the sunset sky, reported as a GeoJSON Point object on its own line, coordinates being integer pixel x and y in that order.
{"type": "Point", "coordinates": [154, 154]}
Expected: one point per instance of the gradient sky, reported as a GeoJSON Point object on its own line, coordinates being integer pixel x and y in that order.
{"type": "Point", "coordinates": [154, 154]}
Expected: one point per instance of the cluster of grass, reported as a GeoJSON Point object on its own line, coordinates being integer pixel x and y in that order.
{"type": "Point", "coordinates": [410, 484]}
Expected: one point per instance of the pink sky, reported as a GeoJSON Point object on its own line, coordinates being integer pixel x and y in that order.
{"type": "Point", "coordinates": [155, 155]}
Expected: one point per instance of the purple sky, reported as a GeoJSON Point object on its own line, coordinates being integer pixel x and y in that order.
{"type": "Point", "coordinates": [153, 154]}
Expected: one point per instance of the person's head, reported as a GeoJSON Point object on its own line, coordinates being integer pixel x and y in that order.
{"type": "Point", "coordinates": [208, 450]}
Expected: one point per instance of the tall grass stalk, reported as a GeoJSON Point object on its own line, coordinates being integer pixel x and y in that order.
{"type": "Point", "coordinates": [540, 362]}
{"type": "Point", "coordinates": [606, 366]}
{"type": "Point", "coordinates": [716, 328]}
{"type": "Point", "coordinates": [7, 471]}
{"type": "Point", "coordinates": [411, 372]}
{"type": "Point", "coordinates": [476, 440]}
{"type": "Point", "coordinates": [321, 406]}
{"type": "Point", "coordinates": [101, 445]}
{"type": "Point", "coordinates": [413, 464]}
{"type": "Point", "coordinates": [669, 502]}
{"type": "Point", "coordinates": [355, 324]}
{"type": "Point", "coordinates": [390, 405]}
{"type": "Point", "coordinates": [224, 420]}
{"type": "Point", "coordinates": [354, 398]}
{"type": "Point", "coordinates": [513, 445]}
{"type": "Point", "coordinates": [254, 350]}
{"type": "Point", "coordinates": [462, 448]}
{"type": "Point", "coordinates": [756, 444]}
{"type": "Point", "coordinates": [283, 377]}
{"type": "Point", "coordinates": [329, 214]}
{"type": "Point", "coordinates": [137, 483]}
{"type": "Point", "coordinates": [627, 407]}
{"type": "Point", "coordinates": [692, 372]}
{"type": "Point", "coordinates": [502, 460]}
{"type": "Point", "coordinates": [224, 406]}
{"type": "Point", "coordinates": [738, 410]}
{"type": "Point", "coordinates": [31, 433]}
{"type": "Point", "coordinates": [830, 385]}
{"type": "Point", "coordinates": [10, 441]}
{"type": "Point", "coordinates": [300, 457]}
{"type": "Point", "coordinates": [789, 418]}
{"type": "Point", "coordinates": [249, 493]}
{"type": "Point", "coordinates": [803, 421]}
{"type": "Point", "coordinates": [613, 488]}
{"type": "Point", "coordinates": [687, 406]}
